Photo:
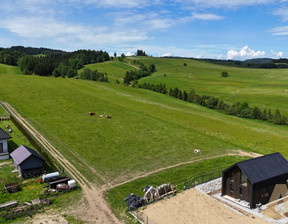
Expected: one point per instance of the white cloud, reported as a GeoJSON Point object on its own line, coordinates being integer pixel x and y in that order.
{"type": "Point", "coordinates": [224, 3]}
{"type": "Point", "coordinates": [277, 54]}
{"type": "Point", "coordinates": [166, 55]}
{"type": "Point", "coordinates": [65, 32]}
{"type": "Point", "coordinates": [248, 53]}
{"type": "Point", "coordinates": [129, 54]}
{"type": "Point", "coordinates": [206, 16]}
{"type": "Point", "coordinates": [245, 53]}
{"type": "Point", "coordinates": [282, 12]}
{"type": "Point", "coordinates": [279, 31]}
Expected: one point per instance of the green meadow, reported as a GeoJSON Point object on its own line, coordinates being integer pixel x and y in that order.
{"type": "Point", "coordinates": [115, 69]}
{"type": "Point", "coordinates": [147, 130]}
{"type": "Point", "coordinates": [265, 88]}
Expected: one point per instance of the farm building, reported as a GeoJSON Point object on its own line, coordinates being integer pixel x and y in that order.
{"type": "Point", "coordinates": [258, 180]}
{"type": "Point", "coordinates": [27, 161]}
{"type": "Point", "coordinates": [4, 154]}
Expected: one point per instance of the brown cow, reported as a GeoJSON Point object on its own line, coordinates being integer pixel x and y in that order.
{"type": "Point", "coordinates": [91, 113]}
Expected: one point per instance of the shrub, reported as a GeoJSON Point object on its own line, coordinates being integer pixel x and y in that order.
{"type": "Point", "coordinates": [224, 74]}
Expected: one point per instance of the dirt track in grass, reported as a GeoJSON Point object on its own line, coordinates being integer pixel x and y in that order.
{"type": "Point", "coordinates": [94, 209]}
{"type": "Point", "coordinates": [236, 153]}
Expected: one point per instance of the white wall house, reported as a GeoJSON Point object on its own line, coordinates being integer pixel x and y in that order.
{"type": "Point", "coordinates": [4, 154]}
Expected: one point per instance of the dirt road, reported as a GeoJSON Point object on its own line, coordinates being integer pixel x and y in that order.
{"type": "Point", "coordinates": [96, 210]}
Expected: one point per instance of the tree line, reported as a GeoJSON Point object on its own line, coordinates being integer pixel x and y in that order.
{"type": "Point", "coordinates": [93, 75]}
{"type": "Point", "coordinates": [138, 74]}
{"type": "Point", "coordinates": [238, 109]}
{"type": "Point", "coordinates": [49, 62]}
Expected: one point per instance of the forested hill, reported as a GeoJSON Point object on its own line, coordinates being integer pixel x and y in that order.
{"type": "Point", "coordinates": [35, 51]}
{"type": "Point", "coordinates": [48, 62]}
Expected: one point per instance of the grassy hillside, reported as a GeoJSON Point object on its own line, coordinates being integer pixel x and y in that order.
{"type": "Point", "coordinates": [147, 130]}
{"type": "Point", "coordinates": [115, 69]}
{"type": "Point", "coordinates": [265, 88]}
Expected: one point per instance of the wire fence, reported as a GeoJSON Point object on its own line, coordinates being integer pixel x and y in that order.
{"type": "Point", "coordinates": [202, 179]}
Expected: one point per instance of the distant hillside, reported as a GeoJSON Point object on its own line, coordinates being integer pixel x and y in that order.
{"type": "Point", "coordinates": [35, 51]}
{"type": "Point", "coordinates": [259, 60]}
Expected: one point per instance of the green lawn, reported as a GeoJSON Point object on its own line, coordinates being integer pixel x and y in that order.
{"type": "Point", "coordinates": [147, 130]}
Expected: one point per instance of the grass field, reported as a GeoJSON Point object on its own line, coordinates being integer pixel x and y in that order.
{"type": "Point", "coordinates": [265, 88]}
{"type": "Point", "coordinates": [147, 130]}
{"type": "Point", "coordinates": [116, 70]}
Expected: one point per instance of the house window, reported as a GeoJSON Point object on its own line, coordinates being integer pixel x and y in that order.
{"type": "Point", "coordinates": [1, 147]}
{"type": "Point", "coordinates": [241, 191]}
{"type": "Point", "coordinates": [243, 179]}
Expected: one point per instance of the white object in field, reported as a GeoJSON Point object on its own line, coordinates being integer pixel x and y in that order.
{"type": "Point", "coordinates": [72, 184]}
{"type": "Point", "coordinates": [50, 175]}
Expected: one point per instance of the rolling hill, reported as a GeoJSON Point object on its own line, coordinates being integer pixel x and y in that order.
{"type": "Point", "coordinates": [147, 130]}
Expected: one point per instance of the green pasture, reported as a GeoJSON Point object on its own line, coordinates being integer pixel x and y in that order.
{"type": "Point", "coordinates": [115, 69]}
{"type": "Point", "coordinates": [265, 88]}
{"type": "Point", "coordinates": [176, 176]}
{"type": "Point", "coordinates": [147, 130]}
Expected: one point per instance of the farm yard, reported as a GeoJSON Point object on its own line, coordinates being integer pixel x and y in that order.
{"type": "Point", "coordinates": [151, 138]}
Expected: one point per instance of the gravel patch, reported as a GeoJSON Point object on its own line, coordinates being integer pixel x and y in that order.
{"type": "Point", "coordinates": [210, 186]}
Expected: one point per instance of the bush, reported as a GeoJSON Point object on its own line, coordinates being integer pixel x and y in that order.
{"type": "Point", "coordinates": [224, 74]}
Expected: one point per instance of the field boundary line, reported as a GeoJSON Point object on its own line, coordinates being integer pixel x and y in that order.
{"type": "Point", "coordinates": [237, 153]}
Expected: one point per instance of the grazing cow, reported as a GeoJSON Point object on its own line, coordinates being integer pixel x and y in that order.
{"type": "Point", "coordinates": [107, 116]}
{"type": "Point", "coordinates": [91, 113]}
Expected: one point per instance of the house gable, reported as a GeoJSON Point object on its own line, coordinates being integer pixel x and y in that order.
{"type": "Point", "coordinates": [258, 180]}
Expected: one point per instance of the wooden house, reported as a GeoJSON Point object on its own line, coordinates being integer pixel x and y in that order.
{"type": "Point", "coordinates": [258, 180]}
{"type": "Point", "coordinates": [4, 136]}
{"type": "Point", "coordinates": [27, 161]}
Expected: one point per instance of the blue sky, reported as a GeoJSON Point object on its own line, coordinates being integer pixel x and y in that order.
{"type": "Point", "coordinates": [226, 29]}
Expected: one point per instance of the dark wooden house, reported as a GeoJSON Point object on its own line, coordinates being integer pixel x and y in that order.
{"type": "Point", "coordinates": [258, 180]}
{"type": "Point", "coordinates": [4, 136]}
{"type": "Point", "coordinates": [27, 161]}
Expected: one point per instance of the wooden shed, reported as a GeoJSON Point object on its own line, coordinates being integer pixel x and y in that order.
{"type": "Point", "coordinates": [258, 180]}
{"type": "Point", "coordinates": [4, 136]}
{"type": "Point", "coordinates": [27, 161]}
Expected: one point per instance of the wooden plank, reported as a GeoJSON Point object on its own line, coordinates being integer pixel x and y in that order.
{"type": "Point", "coordinates": [8, 204]}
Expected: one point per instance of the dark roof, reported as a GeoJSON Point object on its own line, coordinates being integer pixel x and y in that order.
{"type": "Point", "coordinates": [4, 134]}
{"type": "Point", "coordinates": [264, 167]}
{"type": "Point", "coordinates": [20, 154]}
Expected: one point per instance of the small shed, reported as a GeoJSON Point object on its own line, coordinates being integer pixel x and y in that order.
{"type": "Point", "coordinates": [4, 136]}
{"type": "Point", "coordinates": [27, 161]}
{"type": "Point", "coordinates": [259, 180]}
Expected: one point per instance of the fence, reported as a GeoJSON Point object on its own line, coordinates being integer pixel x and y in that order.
{"type": "Point", "coordinates": [202, 179]}
{"type": "Point", "coordinates": [54, 164]}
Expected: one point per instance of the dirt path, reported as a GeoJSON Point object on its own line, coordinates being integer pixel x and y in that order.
{"type": "Point", "coordinates": [237, 153]}
{"type": "Point", "coordinates": [96, 209]}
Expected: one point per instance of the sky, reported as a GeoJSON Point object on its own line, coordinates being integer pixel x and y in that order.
{"type": "Point", "coordinates": [221, 29]}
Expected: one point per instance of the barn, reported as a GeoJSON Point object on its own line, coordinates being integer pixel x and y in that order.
{"type": "Point", "coordinates": [258, 180]}
{"type": "Point", "coordinates": [27, 161]}
{"type": "Point", "coordinates": [4, 154]}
